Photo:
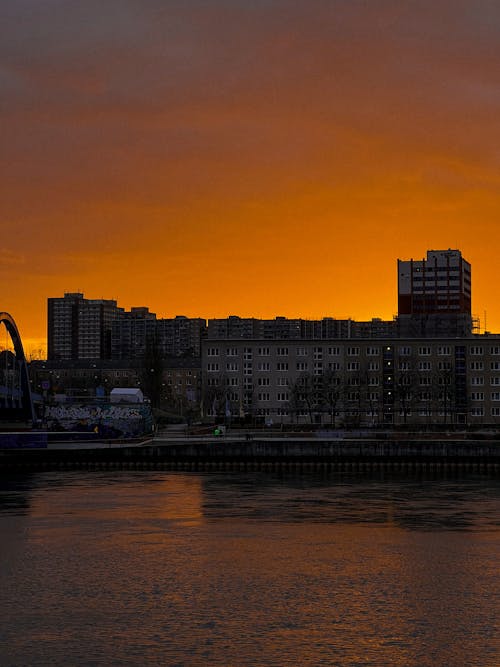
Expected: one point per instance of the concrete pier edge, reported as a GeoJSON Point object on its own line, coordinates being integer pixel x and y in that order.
{"type": "Point", "coordinates": [267, 455]}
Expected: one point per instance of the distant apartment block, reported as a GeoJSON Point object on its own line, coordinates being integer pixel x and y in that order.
{"type": "Point", "coordinates": [434, 295]}
{"type": "Point", "coordinates": [180, 377]}
{"type": "Point", "coordinates": [439, 284]}
{"type": "Point", "coordinates": [130, 333]}
{"type": "Point", "coordinates": [80, 328]}
{"type": "Point", "coordinates": [282, 328]}
{"type": "Point", "coordinates": [173, 337]}
{"type": "Point", "coordinates": [181, 336]}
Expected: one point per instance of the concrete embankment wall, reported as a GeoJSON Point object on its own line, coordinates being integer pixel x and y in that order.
{"type": "Point", "coordinates": [284, 455]}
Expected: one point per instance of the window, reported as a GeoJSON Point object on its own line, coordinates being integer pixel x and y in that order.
{"type": "Point", "coordinates": [424, 351]}
{"type": "Point", "coordinates": [282, 382]}
{"type": "Point", "coordinates": [232, 366]}
{"type": "Point", "coordinates": [263, 382]}
{"type": "Point", "coordinates": [476, 365]}
{"type": "Point", "coordinates": [372, 351]}
{"type": "Point", "coordinates": [495, 381]}
{"type": "Point", "coordinates": [212, 367]}
{"type": "Point", "coordinates": [495, 395]}
{"type": "Point", "coordinates": [373, 366]}
{"type": "Point", "coordinates": [495, 350]}
{"type": "Point", "coordinates": [353, 365]}
{"type": "Point", "coordinates": [263, 352]}
{"type": "Point", "coordinates": [282, 351]}
{"type": "Point", "coordinates": [264, 396]}
{"type": "Point", "coordinates": [282, 366]}
{"type": "Point", "coordinates": [333, 366]}
{"type": "Point", "coordinates": [495, 365]}
{"type": "Point", "coordinates": [232, 352]}
{"type": "Point", "coordinates": [263, 366]}
{"type": "Point", "coordinates": [476, 349]}
{"type": "Point", "coordinates": [301, 352]}
{"type": "Point", "coordinates": [318, 353]}
{"type": "Point", "coordinates": [282, 396]}
{"type": "Point", "coordinates": [353, 351]}
{"type": "Point", "coordinates": [495, 412]}
{"type": "Point", "coordinates": [233, 382]}
{"type": "Point", "coordinates": [477, 396]}
{"type": "Point", "coordinates": [444, 366]}
{"type": "Point", "coordinates": [477, 381]}
{"type": "Point", "coordinates": [247, 354]}
{"type": "Point", "coordinates": [373, 382]}
{"type": "Point", "coordinates": [477, 411]}
{"type": "Point", "coordinates": [424, 366]}
{"type": "Point", "coordinates": [444, 350]}
{"type": "Point", "coordinates": [334, 351]}
{"type": "Point", "coordinates": [405, 351]}
{"type": "Point", "coordinates": [301, 366]}
{"type": "Point", "coordinates": [425, 380]}
{"type": "Point", "coordinates": [213, 352]}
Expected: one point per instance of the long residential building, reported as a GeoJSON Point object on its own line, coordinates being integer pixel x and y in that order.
{"type": "Point", "coordinates": [354, 382]}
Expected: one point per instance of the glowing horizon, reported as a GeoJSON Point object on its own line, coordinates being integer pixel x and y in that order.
{"type": "Point", "coordinates": [251, 159]}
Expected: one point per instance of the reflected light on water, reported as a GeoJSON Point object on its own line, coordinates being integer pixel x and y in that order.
{"type": "Point", "coordinates": [196, 570]}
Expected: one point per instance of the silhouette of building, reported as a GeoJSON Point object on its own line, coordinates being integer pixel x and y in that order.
{"type": "Point", "coordinates": [80, 328]}
{"type": "Point", "coordinates": [439, 284]}
{"type": "Point", "coordinates": [434, 295]}
{"type": "Point", "coordinates": [173, 337]}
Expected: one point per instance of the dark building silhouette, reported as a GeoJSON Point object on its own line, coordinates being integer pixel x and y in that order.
{"type": "Point", "coordinates": [434, 295]}
{"type": "Point", "coordinates": [80, 328]}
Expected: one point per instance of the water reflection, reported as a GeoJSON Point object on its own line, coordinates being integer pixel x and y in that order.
{"type": "Point", "coordinates": [188, 569]}
{"type": "Point", "coordinates": [429, 503]}
{"type": "Point", "coordinates": [424, 503]}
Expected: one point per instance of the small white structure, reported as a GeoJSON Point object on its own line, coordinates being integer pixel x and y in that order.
{"type": "Point", "coordinates": [126, 395]}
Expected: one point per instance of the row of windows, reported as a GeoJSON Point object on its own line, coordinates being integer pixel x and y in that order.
{"type": "Point", "coordinates": [479, 396]}
{"type": "Point", "coordinates": [422, 412]}
{"type": "Point", "coordinates": [353, 351]}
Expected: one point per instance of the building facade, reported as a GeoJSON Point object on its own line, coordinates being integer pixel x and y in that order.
{"type": "Point", "coordinates": [179, 387]}
{"type": "Point", "coordinates": [80, 328]}
{"type": "Point", "coordinates": [439, 284]}
{"type": "Point", "coordinates": [173, 337]}
{"type": "Point", "coordinates": [354, 383]}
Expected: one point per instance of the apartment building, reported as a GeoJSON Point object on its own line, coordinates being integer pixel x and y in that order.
{"type": "Point", "coordinates": [180, 377]}
{"type": "Point", "coordinates": [354, 382]}
{"type": "Point", "coordinates": [80, 328]}
{"type": "Point", "coordinates": [283, 328]}
{"type": "Point", "coordinates": [434, 295]}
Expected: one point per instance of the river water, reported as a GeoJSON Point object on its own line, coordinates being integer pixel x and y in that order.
{"type": "Point", "coordinates": [150, 568]}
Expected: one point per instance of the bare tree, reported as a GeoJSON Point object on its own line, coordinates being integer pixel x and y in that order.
{"type": "Point", "coordinates": [446, 394]}
{"type": "Point", "coordinates": [330, 392]}
{"type": "Point", "coordinates": [404, 388]}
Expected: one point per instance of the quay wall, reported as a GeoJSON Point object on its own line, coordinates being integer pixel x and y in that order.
{"type": "Point", "coordinates": [260, 454]}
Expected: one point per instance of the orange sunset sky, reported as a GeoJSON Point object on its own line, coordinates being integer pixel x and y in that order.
{"type": "Point", "coordinates": [249, 157]}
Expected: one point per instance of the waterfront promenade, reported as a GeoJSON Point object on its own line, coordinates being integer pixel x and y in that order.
{"type": "Point", "coordinates": [268, 452]}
